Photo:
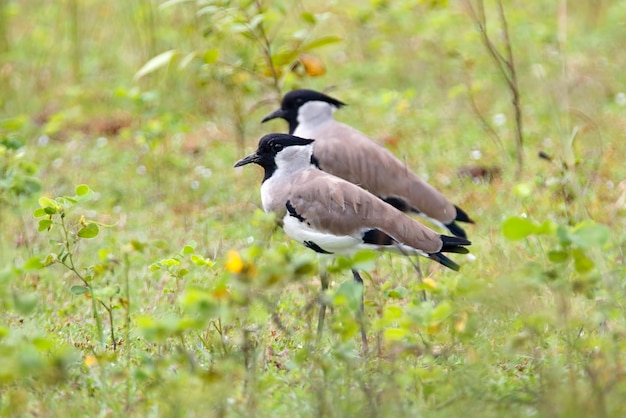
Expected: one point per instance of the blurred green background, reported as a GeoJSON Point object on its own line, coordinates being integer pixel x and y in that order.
{"type": "Point", "coordinates": [138, 276]}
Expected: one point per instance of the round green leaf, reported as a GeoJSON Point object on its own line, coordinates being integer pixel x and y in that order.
{"type": "Point", "coordinates": [582, 263]}
{"type": "Point", "coordinates": [46, 202]}
{"type": "Point", "coordinates": [518, 228]}
{"type": "Point", "coordinates": [82, 190]}
{"type": "Point", "coordinates": [39, 212]}
{"type": "Point", "coordinates": [89, 231]}
{"type": "Point", "coordinates": [44, 225]}
{"type": "Point", "coordinates": [210, 56]}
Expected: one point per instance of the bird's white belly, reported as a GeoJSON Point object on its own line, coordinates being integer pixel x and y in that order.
{"type": "Point", "coordinates": [336, 244]}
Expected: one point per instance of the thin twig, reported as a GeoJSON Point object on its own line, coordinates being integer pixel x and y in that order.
{"type": "Point", "coordinates": [506, 67]}
{"type": "Point", "coordinates": [485, 124]}
{"type": "Point", "coordinates": [267, 51]}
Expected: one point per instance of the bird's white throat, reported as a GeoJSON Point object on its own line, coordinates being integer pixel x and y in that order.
{"type": "Point", "coordinates": [312, 114]}
{"type": "Point", "coordinates": [288, 161]}
{"type": "Point", "coordinates": [292, 159]}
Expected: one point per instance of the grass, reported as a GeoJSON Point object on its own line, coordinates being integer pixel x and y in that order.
{"type": "Point", "coordinates": [213, 310]}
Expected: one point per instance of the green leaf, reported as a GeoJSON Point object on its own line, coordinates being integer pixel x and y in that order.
{"type": "Point", "coordinates": [308, 18]}
{"type": "Point", "coordinates": [582, 263]}
{"type": "Point", "coordinates": [89, 231]}
{"type": "Point", "coordinates": [79, 290]}
{"type": "Point", "coordinates": [517, 228]}
{"type": "Point", "coordinates": [558, 256]}
{"type": "Point", "coordinates": [210, 56]}
{"type": "Point", "coordinates": [83, 193]}
{"type": "Point", "coordinates": [39, 212]}
{"type": "Point", "coordinates": [46, 202]}
{"type": "Point", "coordinates": [395, 334]}
{"type": "Point", "coordinates": [44, 224]}
{"type": "Point", "coordinates": [392, 313]}
{"type": "Point", "coordinates": [137, 245]}
{"type": "Point", "coordinates": [587, 236]}
{"type": "Point", "coordinates": [397, 293]}
{"type": "Point", "coordinates": [169, 262]}
{"type": "Point", "coordinates": [50, 259]}
{"type": "Point", "coordinates": [284, 58]}
{"type": "Point", "coordinates": [320, 42]}
{"type": "Point", "coordinates": [161, 60]}
{"type": "Point", "coordinates": [350, 292]}
{"type": "Point", "coordinates": [364, 260]}
{"type": "Point", "coordinates": [33, 263]}
{"type": "Point", "coordinates": [563, 234]}
{"type": "Point", "coordinates": [546, 228]}
{"type": "Point", "coordinates": [198, 260]}
{"type": "Point", "coordinates": [82, 190]}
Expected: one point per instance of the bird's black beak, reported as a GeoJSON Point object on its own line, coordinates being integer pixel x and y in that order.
{"type": "Point", "coordinates": [252, 158]}
{"type": "Point", "coordinates": [278, 113]}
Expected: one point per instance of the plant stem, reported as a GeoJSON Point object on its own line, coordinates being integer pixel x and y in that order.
{"type": "Point", "coordinates": [126, 341]}
{"type": "Point", "coordinates": [109, 310]}
{"type": "Point", "coordinates": [69, 248]}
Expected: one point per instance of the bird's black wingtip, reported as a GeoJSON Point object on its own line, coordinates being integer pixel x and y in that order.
{"type": "Point", "coordinates": [462, 216]}
{"type": "Point", "coordinates": [442, 259]}
{"type": "Point", "coordinates": [456, 230]}
{"type": "Point", "coordinates": [449, 241]}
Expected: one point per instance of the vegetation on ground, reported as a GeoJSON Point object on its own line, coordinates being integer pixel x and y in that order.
{"type": "Point", "coordinates": [139, 277]}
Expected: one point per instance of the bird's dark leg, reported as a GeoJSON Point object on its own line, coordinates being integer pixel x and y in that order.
{"type": "Point", "coordinates": [361, 317]}
{"type": "Point", "coordinates": [324, 278]}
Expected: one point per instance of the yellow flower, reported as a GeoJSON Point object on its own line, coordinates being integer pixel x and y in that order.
{"type": "Point", "coordinates": [460, 323]}
{"type": "Point", "coordinates": [234, 264]}
{"type": "Point", "coordinates": [90, 360]}
{"type": "Point", "coordinates": [430, 283]}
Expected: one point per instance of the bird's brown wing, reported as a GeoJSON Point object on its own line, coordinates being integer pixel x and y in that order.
{"type": "Point", "coordinates": [333, 205]}
{"type": "Point", "coordinates": [347, 153]}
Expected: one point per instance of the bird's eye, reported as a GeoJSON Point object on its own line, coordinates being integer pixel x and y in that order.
{"type": "Point", "coordinates": [277, 147]}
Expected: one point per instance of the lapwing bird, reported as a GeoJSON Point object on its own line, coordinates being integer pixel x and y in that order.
{"type": "Point", "coordinates": [333, 216]}
{"type": "Point", "coordinates": [348, 153]}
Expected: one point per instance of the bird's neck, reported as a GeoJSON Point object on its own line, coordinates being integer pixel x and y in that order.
{"type": "Point", "coordinates": [312, 115]}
